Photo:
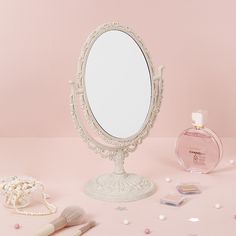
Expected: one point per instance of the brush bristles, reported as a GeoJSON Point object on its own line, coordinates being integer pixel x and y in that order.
{"type": "Point", "coordinates": [71, 216]}
{"type": "Point", "coordinates": [74, 215]}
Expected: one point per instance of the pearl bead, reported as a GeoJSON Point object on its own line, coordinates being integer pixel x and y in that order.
{"type": "Point", "coordinates": [16, 226]}
{"type": "Point", "coordinates": [217, 206]}
{"type": "Point", "coordinates": [125, 222]}
{"type": "Point", "coordinates": [147, 231]}
{"type": "Point", "coordinates": [168, 180]}
{"type": "Point", "coordinates": [162, 217]}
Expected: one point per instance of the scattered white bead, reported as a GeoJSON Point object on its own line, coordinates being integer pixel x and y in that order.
{"type": "Point", "coordinates": [194, 219]}
{"type": "Point", "coordinates": [125, 222]}
{"type": "Point", "coordinates": [162, 217]}
{"type": "Point", "coordinates": [232, 162]}
{"type": "Point", "coordinates": [168, 180]}
{"type": "Point", "coordinates": [217, 206]}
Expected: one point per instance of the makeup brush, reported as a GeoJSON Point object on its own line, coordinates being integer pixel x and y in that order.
{"type": "Point", "coordinates": [71, 216]}
{"type": "Point", "coordinates": [85, 228]}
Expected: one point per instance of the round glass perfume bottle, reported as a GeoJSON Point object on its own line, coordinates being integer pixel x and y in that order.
{"type": "Point", "coordinates": [198, 148]}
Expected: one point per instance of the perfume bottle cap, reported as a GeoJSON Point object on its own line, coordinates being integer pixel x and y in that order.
{"type": "Point", "coordinates": [199, 118]}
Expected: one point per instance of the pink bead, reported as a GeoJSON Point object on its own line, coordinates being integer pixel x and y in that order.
{"type": "Point", "coordinates": [147, 231]}
{"type": "Point", "coordinates": [16, 226]}
{"type": "Point", "coordinates": [235, 216]}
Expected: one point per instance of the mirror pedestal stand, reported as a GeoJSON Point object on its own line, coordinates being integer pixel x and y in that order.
{"type": "Point", "coordinates": [119, 185]}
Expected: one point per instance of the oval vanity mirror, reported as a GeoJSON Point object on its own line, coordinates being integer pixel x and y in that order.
{"type": "Point", "coordinates": [114, 101]}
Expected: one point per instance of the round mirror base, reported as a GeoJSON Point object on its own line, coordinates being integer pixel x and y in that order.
{"type": "Point", "coordinates": [120, 187]}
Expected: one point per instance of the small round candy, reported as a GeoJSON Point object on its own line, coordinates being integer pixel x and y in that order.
{"type": "Point", "coordinates": [147, 231]}
{"type": "Point", "coordinates": [125, 222]}
{"type": "Point", "coordinates": [16, 226]}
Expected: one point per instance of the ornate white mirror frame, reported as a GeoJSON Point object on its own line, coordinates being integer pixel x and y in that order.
{"type": "Point", "coordinates": [119, 185]}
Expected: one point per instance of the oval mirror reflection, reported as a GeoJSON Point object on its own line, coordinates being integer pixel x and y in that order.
{"type": "Point", "coordinates": [118, 84]}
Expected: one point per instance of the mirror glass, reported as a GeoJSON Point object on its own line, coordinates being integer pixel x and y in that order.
{"type": "Point", "coordinates": [118, 84]}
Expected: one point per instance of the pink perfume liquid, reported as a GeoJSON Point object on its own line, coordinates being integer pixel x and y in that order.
{"type": "Point", "coordinates": [198, 150]}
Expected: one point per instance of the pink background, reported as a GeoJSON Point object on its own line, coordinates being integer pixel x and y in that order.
{"type": "Point", "coordinates": [40, 43]}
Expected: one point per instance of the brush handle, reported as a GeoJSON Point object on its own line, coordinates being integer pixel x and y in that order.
{"type": "Point", "coordinates": [85, 228]}
{"type": "Point", "coordinates": [46, 230]}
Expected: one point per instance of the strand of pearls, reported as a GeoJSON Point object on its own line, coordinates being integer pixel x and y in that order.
{"type": "Point", "coordinates": [18, 191]}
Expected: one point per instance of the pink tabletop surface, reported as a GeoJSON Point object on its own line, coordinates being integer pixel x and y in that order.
{"type": "Point", "coordinates": [65, 164]}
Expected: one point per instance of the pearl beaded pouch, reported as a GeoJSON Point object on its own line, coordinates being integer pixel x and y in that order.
{"type": "Point", "coordinates": [17, 193]}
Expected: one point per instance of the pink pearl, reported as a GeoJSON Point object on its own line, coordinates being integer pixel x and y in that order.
{"type": "Point", "coordinates": [235, 216]}
{"type": "Point", "coordinates": [147, 231]}
{"type": "Point", "coordinates": [16, 226]}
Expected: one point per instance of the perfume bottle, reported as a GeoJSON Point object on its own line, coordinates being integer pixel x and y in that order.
{"type": "Point", "coordinates": [198, 148]}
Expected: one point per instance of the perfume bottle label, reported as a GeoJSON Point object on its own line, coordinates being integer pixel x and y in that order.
{"type": "Point", "coordinates": [198, 157]}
